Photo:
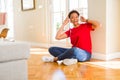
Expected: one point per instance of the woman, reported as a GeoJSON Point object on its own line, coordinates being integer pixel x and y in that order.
{"type": "Point", "coordinates": [80, 39]}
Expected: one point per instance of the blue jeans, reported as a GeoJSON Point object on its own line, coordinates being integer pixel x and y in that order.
{"type": "Point", "coordinates": [74, 52]}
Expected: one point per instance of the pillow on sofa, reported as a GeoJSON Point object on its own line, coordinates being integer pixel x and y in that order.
{"type": "Point", "coordinates": [3, 31]}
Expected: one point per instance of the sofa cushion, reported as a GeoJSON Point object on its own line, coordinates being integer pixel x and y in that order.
{"type": "Point", "coordinates": [10, 51]}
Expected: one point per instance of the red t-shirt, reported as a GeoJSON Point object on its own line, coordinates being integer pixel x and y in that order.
{"type": "Point", "coordinates": [80, 36]}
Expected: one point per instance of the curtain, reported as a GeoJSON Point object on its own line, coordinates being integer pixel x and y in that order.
{"type": "Point", "coordinates": [2, 18]}
{"type": "Point", "coordinates": [2, 12]}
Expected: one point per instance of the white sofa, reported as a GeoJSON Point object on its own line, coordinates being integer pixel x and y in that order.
{"type": "Point", "coordinates": [13, 60]}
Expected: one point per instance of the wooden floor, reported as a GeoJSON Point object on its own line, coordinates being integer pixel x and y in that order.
{"type": "Point", "coordinates": [92, 70]}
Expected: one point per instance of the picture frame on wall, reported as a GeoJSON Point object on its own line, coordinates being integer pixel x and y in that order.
{"type": "Point", "coordinates": [27, 5]}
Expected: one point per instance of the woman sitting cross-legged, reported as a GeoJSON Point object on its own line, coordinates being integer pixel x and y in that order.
{"type": "Point", "coordinates": [80, 37]}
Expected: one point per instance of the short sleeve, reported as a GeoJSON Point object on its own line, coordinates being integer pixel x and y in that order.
{"type": "Point", "coordinates": [67, 33]}
{"type": "Point", "coordinates": [90, 26]}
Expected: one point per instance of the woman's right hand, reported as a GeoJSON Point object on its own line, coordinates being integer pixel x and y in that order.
{"type": "Point", "coordinates": [60, 33]}
{"type": "Point", "coordinates": [66, 21]}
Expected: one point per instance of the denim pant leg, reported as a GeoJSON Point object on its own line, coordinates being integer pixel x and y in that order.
{"type": "Point", "coordinates": [56, 51]}
{"type": "Point", "coordinates": [67, 54]}
{"type": "Point", "coordinates": [81, 54]}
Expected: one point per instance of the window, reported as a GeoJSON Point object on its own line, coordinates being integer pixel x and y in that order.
{"type": "Point", "coordinates": [60, 9]}
{"type": "Point", "coordinates": [2, 6]}
{"type": "Point", "coordinates": [79, 5]}
{"type": "Point", "coordinates": [58, 14]}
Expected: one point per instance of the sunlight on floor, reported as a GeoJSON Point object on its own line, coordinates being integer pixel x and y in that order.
{"type": "Point", "coordinates": [39, 51]}
{"type": "Point", "coordinates": [107, 64]}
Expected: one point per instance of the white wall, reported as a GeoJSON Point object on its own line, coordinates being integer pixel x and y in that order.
{"type": "Point", "coordinates": [98, 12]}
{"type": "Point", "coordinates": [30, 25]}
{"type": "Point", "coordinates": [106, 40]}
{"type": "Point", "coordinates": [113, 26]}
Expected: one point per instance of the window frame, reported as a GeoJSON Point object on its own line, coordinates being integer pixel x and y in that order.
{"type": "Point", "coordinates": [65, 41]}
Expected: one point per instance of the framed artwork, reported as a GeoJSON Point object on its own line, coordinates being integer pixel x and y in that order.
{"type": "Point", "coordinates": [27, 5]}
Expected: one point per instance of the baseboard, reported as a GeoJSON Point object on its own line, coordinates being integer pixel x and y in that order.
{"type": "Point", "coordinates": [100, 56]}
{"type": "Point", "coordinates": [113, 55]}
{"type": "Point", "coordinates": [44, 45]}
{"type": "Point", "coordinates": [106, 56]}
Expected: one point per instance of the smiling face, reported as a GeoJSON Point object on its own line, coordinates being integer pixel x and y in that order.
{"type": "Point", "coordinates": [74, 18]}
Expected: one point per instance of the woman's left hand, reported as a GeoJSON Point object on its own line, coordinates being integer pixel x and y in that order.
{"type": "Point", "coordinates": [66, 21]}
{"type": "Point", "coordinates": [83, 19]}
